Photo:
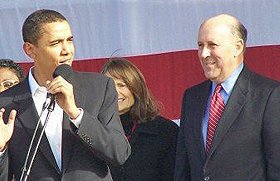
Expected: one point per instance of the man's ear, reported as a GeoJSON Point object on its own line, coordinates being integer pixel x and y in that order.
{"type": "Point", "coordinates": [239, 47]}
{"type": "Point", "coordinates": [29, 49]}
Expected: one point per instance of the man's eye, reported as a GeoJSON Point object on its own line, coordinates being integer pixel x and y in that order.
{"type": "Point", "coordinates": [213, 45]}
{"type": "Point", "coordinates": [54, 43]}
{"type": "Point", "coordinates": [70, 39]}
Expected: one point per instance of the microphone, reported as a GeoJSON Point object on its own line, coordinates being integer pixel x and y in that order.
{"type": "Point", "coordinates": [65, 71]}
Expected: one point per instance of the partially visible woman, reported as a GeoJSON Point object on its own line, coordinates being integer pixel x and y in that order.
{"type": "Point", "coordinates": [152, 137]}
{"type": "Point", "coordinates": [10, 74]}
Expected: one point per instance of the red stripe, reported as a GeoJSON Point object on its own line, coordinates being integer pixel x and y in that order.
{"type": "Point", "coordinates": [169, 74]}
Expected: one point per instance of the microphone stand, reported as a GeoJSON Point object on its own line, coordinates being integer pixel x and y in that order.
{"type": "Point", "coordinates": [50, 107]}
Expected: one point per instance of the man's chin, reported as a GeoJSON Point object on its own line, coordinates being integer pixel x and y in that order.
{"type": "Point", "coordinates": [211, 76]}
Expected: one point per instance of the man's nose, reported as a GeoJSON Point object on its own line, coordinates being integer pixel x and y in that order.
{"type": "Point", "coordinates": [66, 48]}
{"type": "Point", "coordinates": [204, 52]}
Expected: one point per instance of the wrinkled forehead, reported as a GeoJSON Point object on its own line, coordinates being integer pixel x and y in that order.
{"type": "Point", "coordinates": [224, 23]}
{"type": "Point", "coordinates": [213, 32]}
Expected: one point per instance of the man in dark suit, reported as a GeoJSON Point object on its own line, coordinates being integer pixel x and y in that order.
{"type": "Point", "coordinates": [232, 134]}
{"type": "Point", "coordinates": [84, 132]}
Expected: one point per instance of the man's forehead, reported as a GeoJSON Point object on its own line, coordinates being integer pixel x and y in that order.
{"type": "Point", "coordinates": [214, 31]}
{"type": "Point", "coordinates": [55, 26]}
{"type": "Point", "coordinates": [56, 29]}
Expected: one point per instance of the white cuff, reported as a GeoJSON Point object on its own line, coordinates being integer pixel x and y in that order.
{"type": "Point", "coordinates": [78, 120]}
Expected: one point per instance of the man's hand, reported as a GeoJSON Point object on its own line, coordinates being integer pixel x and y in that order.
{"type": "Point", "coordinates": [6, 130]}
{"type": "Point", "coordinates": [63, 91]}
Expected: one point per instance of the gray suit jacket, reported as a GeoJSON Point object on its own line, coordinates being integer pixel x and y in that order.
{"type": "Point", "coordinates": [246, 145]}
{"type": "Point", "coordinates": [87, 150]}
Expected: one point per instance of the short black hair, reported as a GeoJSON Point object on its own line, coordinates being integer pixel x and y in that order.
{"type": "Point", "coordinates": [13, 66]}
{"type": "Point", "coordinates": [31, 29]}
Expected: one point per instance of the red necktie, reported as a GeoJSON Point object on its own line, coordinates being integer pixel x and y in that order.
{"type": "Point", "coordinates": [215, 112]}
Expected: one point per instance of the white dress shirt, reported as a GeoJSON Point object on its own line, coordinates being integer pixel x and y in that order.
{"type": "Point", "coordinates": [53, 128]}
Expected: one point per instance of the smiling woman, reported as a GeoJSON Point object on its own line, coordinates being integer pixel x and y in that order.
{"type": "Point", "coordinates": [152, 137]}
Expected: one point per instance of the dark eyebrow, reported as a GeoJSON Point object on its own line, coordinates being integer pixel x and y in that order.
{"type": "Point", "coordinates": [56, 40]}
{"type": "Point", "coordinates": [61, 39]}
{"type": "Point", "coordinates": [70, 37]}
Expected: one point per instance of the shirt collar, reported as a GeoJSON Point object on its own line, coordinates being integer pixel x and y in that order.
{"type": "Point", "coordinates": [230, 81]}
{"type": "Point", "coordinates": [33, 83]}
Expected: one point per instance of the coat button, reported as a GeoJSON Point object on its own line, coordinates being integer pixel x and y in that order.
{"type": "Point", "coordinates": [207, 178]}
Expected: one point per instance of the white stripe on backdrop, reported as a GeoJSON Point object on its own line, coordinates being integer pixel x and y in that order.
{"type": "Point", "coordinates": [138, 27]}
{"type": "Point", "coordinates": [149, 28]}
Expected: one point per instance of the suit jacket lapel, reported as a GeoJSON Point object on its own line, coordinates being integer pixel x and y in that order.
{"type": "Point", "coordinates": [28, 117]}
{"type": "Point", "coordinates": [199, 115]}
{"type": "Point", "coordinates": [68, 127]}
{"type": "Point", "coordinates": [233, 108]}
{"type": "Point", "coordinates": [67, 141]}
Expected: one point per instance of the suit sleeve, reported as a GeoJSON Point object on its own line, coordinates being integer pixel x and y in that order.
{"type": "Point", "coordinates": [182, 169]}
{"type": "Point", "coordinates": [103, 133]}
{"type": "Point", "coordinates": [271, 135]}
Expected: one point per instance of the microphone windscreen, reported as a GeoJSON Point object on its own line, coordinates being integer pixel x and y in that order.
{"type": "Point", "coordinates": [63, 70]}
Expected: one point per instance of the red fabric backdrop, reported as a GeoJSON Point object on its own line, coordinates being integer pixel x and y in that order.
{"type": "Point", "coordinates": [169, 74]}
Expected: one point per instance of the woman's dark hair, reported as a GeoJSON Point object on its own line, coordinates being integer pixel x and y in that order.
{"type": "Point", "coordinates": [13, 66]}
{"type": "Point", "coordinates": [145, 107]}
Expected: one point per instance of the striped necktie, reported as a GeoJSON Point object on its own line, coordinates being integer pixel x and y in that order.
{"type": "Point", "coordinates": [215, 112]}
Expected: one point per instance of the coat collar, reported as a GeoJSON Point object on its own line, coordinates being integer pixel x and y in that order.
{"type": "Point", "coordinates": [201, 100]}
{"type": "Point", "coordinates": [149, 128]}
